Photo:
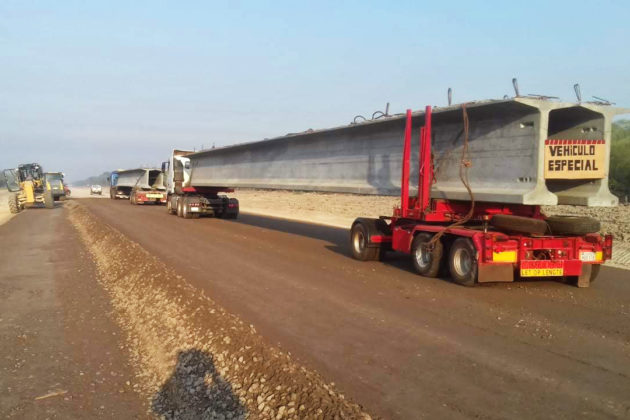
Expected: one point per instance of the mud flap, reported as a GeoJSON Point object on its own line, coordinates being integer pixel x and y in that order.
{"type": "Point", "coordinates": [490, 273]}
{"type": "Point", "coordinates": [584, 279]}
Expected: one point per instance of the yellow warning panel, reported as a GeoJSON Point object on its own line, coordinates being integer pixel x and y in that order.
{"type": "Point", "coordinates": [575, 159]}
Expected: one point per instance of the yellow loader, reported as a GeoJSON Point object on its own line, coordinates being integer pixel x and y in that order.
{"type": "Point", "coordinates": [28, 187]}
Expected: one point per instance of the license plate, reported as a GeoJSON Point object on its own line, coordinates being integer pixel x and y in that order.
{"type": "Point", "coordinates": [587, 256]}
{"type": "Point", "coordinates": [542, 272]}
{"type": "Point", "coordinates": [154, 195]}
{"type": "Point", "coordinates": [542, 269]}
{"type": "Point", "coordinates": [194, 209]}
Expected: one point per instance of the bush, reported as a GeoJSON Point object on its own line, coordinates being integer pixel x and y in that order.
{"type": "Point", "coordinates": [619, 176]}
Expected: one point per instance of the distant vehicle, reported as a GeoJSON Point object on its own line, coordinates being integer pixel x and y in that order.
{"type": "Point", "coordinates": [96, 189]}
{"type": "Point", "coordinates": [139, 186]}
{"type": "Point", "coordinates": [55, 179]}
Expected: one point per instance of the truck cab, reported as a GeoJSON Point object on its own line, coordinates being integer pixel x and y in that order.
{"type": "Point", "coordinates": [190, 200]}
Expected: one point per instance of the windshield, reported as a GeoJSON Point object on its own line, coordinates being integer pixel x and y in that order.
{"type": "Point", "coordinates": [11, 176]}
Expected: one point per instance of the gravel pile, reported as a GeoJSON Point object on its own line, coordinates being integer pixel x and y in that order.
{"type": "Point", "coordinates": [192, 358]}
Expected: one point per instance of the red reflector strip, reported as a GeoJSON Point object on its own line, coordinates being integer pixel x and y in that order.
{"type": "Point", "coordinates": [379, 239]}
{"type": "Point", "coordinates": [575, 141]}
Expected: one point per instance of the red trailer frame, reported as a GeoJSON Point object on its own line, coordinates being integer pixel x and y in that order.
{"type": "Point", "coordinates": [493, 255]}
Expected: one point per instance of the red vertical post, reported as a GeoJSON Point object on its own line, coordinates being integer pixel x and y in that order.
{"type": "Point", "coordinates": [404, 185]}
{"type": "Point", "coordinates": [426, 172]}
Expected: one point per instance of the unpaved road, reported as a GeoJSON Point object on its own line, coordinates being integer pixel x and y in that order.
{"type": "Point", "coordinates": [60, 357]}
{"type": "Point", "coordinates": [401, 345]}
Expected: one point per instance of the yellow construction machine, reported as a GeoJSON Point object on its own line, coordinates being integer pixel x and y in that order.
{"type": "Point", "coordinates": [28, 187]}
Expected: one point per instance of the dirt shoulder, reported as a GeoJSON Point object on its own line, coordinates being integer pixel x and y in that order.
{"type": "Point", "coordinates": [61, 356]}
{"type": "Point", "coordinates": [5, 214]}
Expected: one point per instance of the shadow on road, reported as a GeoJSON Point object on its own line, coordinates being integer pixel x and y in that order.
{"type": "Point", "coordinates": [196, 390]}
{"type": "Point", "coordinates": [336, 236]}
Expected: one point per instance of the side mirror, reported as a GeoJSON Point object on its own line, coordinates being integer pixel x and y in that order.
{"type": "Point", "coordinates": [164, 166]}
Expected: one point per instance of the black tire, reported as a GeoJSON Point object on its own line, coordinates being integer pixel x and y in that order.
{"type": "Point", "coordinates": [520, 224]}
{"type": "Point", "coordinates": [169, 206]}
{"type": "Point", "coordinates": [180, 202]}
{"type": "Point", "coordinates": [427, 263]}
{"type": "Point", "coordinates": [233, 214]}
{"type": "Point", "coordinates": [186, 214]}
{"type": "Point", "coordinates": [359, 244]}
{"type": "Point", "coordinates": [49, 201]}
{"type": "Point", "coordinates": [462, 262]}
{"type": "Point", "coordinates": [573, 225]}
{"type": "Point", "coordinates": [14, 204]}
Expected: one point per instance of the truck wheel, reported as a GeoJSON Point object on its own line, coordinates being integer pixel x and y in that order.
{"type": "Point", "coordinates": [519, 224]}
{"type": "Point", "coordinates": [359, 244]}
{"type": "Point", "coordinates": [462, 262]}
{"type": "Point", "coordinates": [180, 202]}
{"type": "Point", "coordinates": [49, 201]}
{"type": "Point", "coordinates": [14, 204]}
{"type": "Point", "coordinates": [186, 214]}
{"type": "Point", "coordinates": [573, 225]}
{"type": "Point", "coordinates": [426, 262]}
{"type": "Point", "coordinates": [169, 206]}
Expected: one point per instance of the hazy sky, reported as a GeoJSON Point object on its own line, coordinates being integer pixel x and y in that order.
{"type": "Point", "coordinates": [90, 86]}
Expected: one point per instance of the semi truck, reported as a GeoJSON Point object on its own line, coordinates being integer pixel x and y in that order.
{"type": "Point", "coordinates": [190, 194]}
{"type": "Point", "coordinates": [475, 241]}
{"type": "Point", "coordinates": [139, 186]}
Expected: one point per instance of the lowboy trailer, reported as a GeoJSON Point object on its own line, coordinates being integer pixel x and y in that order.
{"type": "Point", "coordinates": [479, 242]}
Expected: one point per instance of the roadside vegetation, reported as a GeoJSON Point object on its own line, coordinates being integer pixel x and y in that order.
{"type": "Point", "coordinates": [620, 159]}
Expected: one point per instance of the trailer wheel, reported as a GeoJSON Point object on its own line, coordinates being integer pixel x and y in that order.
{"type": "Point", "coordinates": [186, 214]}
{"type": "Point", "coordinates": [14, 204]}
{"type": "Point", "coordinates": [462, 262]}
{"type": "Point", "coordinates": [519, 224]}
{"type": "Point", "coordinates": [573, 225]}
{"type": "Point", "coordinates": [426, 262]}
{"type": "Point", "coordinates": [359, 244]}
